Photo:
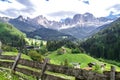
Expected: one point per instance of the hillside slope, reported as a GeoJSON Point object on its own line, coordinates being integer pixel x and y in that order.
{"type": "Point", "coordinates": [49, 34]}
{"type": "Point", "coordinates": [105, 43]}
{"type": "Point", "coordinates": [79, 32]}
{"type": "Point", "coordinates": [9, 33]}
{"type": "Point", "coordinates": [82, 58]}
{"type": "Point", "coordinates": [72, 58]}
{"type": "Point", "coordinates": [21, 25]}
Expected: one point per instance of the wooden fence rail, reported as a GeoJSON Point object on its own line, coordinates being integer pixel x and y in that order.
{"type": "Point", "coordinates": [79, 74]}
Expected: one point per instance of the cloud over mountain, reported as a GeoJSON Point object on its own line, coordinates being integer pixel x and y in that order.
{"type": "Point", "coordinates": [29, 7]}
{"type": "Point", "coordinates": [58, 8]}
{"type": "Point", "coordinates": [6, 1]}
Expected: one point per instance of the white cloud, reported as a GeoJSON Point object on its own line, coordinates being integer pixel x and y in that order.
{"type": "Point", "coordinates": [42, 7]}
{"type": "Point", "coordinates": [14, 4]}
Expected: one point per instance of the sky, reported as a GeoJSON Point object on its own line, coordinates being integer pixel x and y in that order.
{"type": "Point", "coordinates": [58, 9]}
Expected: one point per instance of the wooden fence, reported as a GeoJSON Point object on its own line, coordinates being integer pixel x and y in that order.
{"type": "Point", "coordinates": [42, 68]}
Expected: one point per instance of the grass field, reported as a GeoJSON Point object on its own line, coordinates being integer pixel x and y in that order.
{"type": "Point", "coordinates": [15, 54]}
{"type": "Point", "coordinates": [82, 58]}
{"type": "Point", "coordinates": [14, 77]}
{"type": "Point", "coordinates": [9, 29]}
{"type": "Point", "coordinates": [5, 73]}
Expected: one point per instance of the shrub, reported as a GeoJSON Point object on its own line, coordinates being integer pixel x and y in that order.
{"type": "Point", "coordinates": [35, 56]}
{"type": "Point", "coordinates": [66, 63]}
{"type": "Point", "coordinates": [14, 49]}
{"type": "Point", "coordinates": [9, 48]}
{"type": "Point", "coordinates": [97, 68]}
{"type": "Point", "coordinates": [6, 48]}
{"type": "Point", "coordinates": [60, 51]}
{"type": "Point", "coordinates": [75, 51]}
{"type": "Point", "coordinates": [43, 50]}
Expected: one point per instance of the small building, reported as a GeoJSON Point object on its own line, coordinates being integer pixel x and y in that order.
{"type": "Point", "coordinates": [63, 49]}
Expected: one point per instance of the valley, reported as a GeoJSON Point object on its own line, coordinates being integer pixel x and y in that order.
{"type": "Point", "coordinates": [82, 39]}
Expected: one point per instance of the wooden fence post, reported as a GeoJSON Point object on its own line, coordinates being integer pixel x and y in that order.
{"type": "Point", "coordinates": [1, 52]}
{"type": "Point", "coordinates": [16, 62]}
{"type": "Point", "coordinates": [112, 73]}
{"type": "Point", "coordinates": [44, 68]}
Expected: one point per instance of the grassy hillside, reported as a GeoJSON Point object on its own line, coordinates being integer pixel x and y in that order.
{"type": "Point", "coordinates": [9, 33]}
{"type": "Point", "coordinates": [7, 28]}
{"type": "Point", "coordinates": [82, 58]}
{"type": "Point", "coordinates": [72, 58]}
{"type": "Point", "coordinates": [15, 54]}
{"type": "Point", "coordinates": [5, 73]}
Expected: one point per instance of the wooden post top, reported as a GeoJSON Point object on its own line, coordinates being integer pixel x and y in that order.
{"type": "Point", "coordinates": [113, 68]}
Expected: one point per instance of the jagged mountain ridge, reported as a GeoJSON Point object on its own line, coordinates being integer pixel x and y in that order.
{"type": "Point", "coordinates": [81, 20]}
{"type": "Point", "coordinates": [33, 30]}
{"type": "Point", "coordinates": [80, 26]}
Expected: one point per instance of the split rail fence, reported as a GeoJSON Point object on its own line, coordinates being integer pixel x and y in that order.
{"type": "Point", "coordinates": [42, 68]}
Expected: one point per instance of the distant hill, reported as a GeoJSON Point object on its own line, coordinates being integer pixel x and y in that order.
{"type": "Point", "coordinates": [79, 32]}
{"type": "Point", "coordinates": [9, 33]}
{"type": "Point", "coordinates": [49, 34]}
{"type": "Point", "coordinates": [105, 43]}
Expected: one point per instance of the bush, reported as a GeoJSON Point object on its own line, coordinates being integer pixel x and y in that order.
{"type": "Point", "coordinates": [75, 51]}
{"type": "Point", "coordinates": [9, 48]}
{"type": "Point", "coordinates": [35, 56]}
{"type": "Point", "coordinates": [66, 63]}
{"type": "Point", "coordinates": [6, 48]}
{"type": "Point", "coordinates": [60, 51]}
{"type": "Point", "coordinates": [43, 50]}
{"type": "Point", "coordinates": [14, 49]}
{"type": "Point", "coordinates": [97, 68]}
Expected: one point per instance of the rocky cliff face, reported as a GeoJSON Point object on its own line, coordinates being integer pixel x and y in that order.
{"type": "Point", "coordinates": [85, 20]}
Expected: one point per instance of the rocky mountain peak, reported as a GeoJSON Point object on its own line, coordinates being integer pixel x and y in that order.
{"type": "Point", "coordinates": [83, 17]}
{"type": "Point", "coordinates": [40, 17]}
{"type": "Point", "coordinates": [78, 20]}
{"type": "Point", "coordinates": [77, 17]}
{"type": "Point", "coordinates": [88, 15]}
{"type": "Point", "coordinates": [40, 20]}
{"type": "Point", "coordinates": [20, 18]}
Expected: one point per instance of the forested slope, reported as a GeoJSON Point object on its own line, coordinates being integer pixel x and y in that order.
{"type": "Point", "coordinates": [105, 43]}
